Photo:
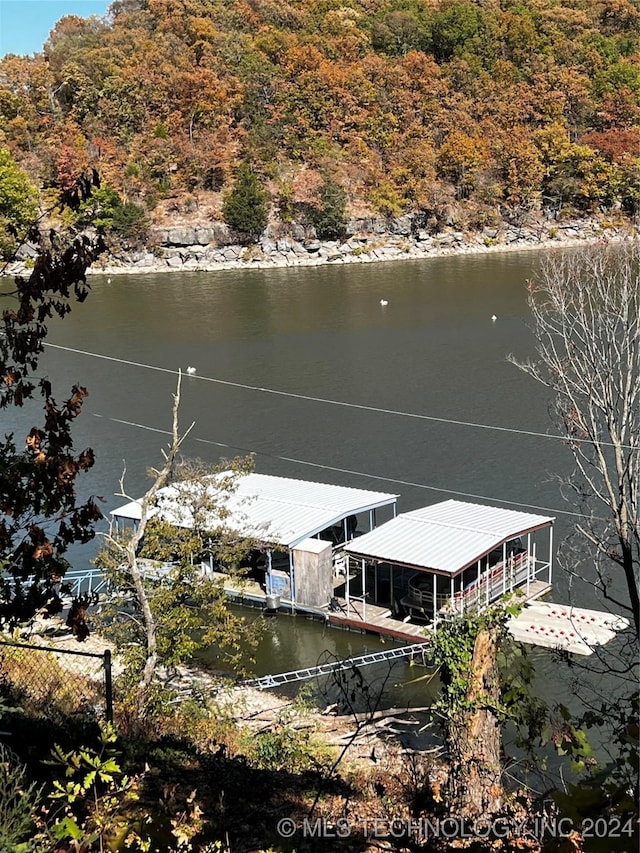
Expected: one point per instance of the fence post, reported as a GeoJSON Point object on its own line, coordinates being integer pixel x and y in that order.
{"type": "Point", "coordinates": [108, 685]}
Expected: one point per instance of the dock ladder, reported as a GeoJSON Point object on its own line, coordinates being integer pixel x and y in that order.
{"type": "Point", "coordinates": [266, 682]}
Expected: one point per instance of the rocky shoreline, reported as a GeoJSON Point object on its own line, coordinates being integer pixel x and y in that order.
{"type": "Point", "coordinates": [211, 247]}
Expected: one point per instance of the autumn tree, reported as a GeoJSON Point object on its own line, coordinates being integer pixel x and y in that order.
{"type": "Point", "coordinates": [18, 203]}
{"type": "Point", "coordinates": [40, 516]}
{"type": "Point", "coordinates": [461, 159]}
{"type": "Point", "coordinates": [586, 315]}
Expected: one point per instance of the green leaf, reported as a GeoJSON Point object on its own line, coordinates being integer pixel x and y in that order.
{"type": "Point", "coordinates": [67, 828]}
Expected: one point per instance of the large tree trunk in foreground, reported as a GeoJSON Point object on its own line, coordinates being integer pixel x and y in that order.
{"type": "Point", "coordinates": [475, 786]}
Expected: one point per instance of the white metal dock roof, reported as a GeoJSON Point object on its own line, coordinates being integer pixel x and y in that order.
{"type": "Point", "coordinates": [445, 537]}
{"type": "Point", "coordinates": [272, 509]}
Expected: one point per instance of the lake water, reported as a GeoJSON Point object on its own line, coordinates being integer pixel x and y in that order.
{"type": "Point", "coordinates": [321, 332]}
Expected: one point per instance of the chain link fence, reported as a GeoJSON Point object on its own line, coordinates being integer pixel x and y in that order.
{"type": "Point", "coordinates": [65, 680]}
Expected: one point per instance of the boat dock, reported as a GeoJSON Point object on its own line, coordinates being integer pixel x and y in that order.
{"type": "Point", "coordinates": [552, 626]}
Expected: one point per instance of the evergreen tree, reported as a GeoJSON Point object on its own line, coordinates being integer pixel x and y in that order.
{"type": "Point", "coordinates": [329, 219]}
{"type": "Point", "coordinates": [245, 207]}
{"type": "Point", "coordinates": [107, 212]}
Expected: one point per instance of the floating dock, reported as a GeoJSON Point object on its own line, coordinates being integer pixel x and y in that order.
{"type": "Point", "coordinates": [575, 630]}
{"type": "Point", "coordinates": [564, 628]}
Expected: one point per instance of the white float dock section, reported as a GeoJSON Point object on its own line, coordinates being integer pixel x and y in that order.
{"type": "Point", "coordinates": [570, 629]}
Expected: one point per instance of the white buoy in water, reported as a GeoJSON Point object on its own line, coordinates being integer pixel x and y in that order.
{"type": "Point", "coordinates": [493, 318]}
{"type": "Point", "coordinates": [191, 370]}
{"type": "Point", "coordinates": [383, 302]}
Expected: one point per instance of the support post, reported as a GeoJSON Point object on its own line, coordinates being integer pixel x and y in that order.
{"type": "Point", "coordinates": [504, 568]}
{"type": "Point", "coordinates": [391, 587]}
{"type": "Point", "coordinates": [529, 564]}
{"type": "Point", "coordinates": [346, 588]}
{"type": "Point", "coordinates": [535, 562]}
{"type": "Point", "coordinates": [292, 580]}
{"type": "Point", "coordinates": [364, 589]}
{"type": "Point", "coordinates": [550, 552]}
{"type": "Point", "coordinates": [435, 597]}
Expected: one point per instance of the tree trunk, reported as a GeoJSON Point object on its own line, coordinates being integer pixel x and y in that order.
{"type": "Point", "coordinates": [150, 622]}
{"type": "Point", "coordinates": [475, 786]}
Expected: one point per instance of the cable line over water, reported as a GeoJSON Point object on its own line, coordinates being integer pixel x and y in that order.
{"type": "Point", "coordinates": [337, 470]}
{"type": "Point", "coordinates": [324, 400]}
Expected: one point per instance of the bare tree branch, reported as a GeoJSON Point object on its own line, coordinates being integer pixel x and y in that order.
{"type": "Point", "coordinates": [586, 317]}
{"type": "Point", "coordinates": [131, 547]}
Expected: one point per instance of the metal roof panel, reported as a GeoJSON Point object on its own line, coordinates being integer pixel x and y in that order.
{"type": "Point", "coordinates": [272, 509]}
{"type": "Point", "coordinates": [444, 537]}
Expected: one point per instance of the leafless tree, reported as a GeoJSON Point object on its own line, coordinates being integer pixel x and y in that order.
{"type": "Point", "coordinates": [161, 597]}
{"type": "Point", "coordinates": [585, 308]}
{"type": "Point", "coordinates": [132, 545]}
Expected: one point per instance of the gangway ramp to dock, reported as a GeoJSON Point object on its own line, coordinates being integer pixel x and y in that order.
{"type": "Point", "coordinates": [266, 682]}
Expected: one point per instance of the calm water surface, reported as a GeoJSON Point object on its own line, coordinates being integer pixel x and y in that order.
{"type": "Point", "coordinates": [321, 332]}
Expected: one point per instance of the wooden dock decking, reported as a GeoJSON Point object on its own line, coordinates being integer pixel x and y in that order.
{"type": "Point", "coordinates": [369, 619]}
{"type": "Point", "coordinates": [372, 619]}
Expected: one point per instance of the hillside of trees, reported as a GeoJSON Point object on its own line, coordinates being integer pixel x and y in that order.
{"type": "Point", "coordinates": [471, 113]}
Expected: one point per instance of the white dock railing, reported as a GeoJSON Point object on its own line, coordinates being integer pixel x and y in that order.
{"type": "Point", "coordinates": [517, 572]}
